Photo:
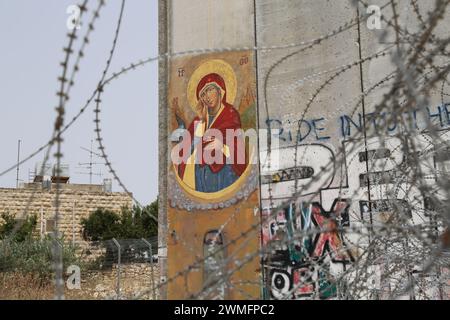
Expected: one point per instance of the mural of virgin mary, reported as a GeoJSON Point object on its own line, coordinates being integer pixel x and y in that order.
{"type": "Point", "coordinates": [213, 112]}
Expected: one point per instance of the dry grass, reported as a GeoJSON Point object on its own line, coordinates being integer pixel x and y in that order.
{"type": "Point", "coordinates": [17, 286]}
{"type": "Point", "coordinates": [21, 286]}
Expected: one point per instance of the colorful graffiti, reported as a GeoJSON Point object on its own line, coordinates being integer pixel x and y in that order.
{"type": "Point", "coordinates": [307, 247]}
{"type": "Point", "coordinates": [299, 240]}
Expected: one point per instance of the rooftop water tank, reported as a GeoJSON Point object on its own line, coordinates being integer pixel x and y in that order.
{"type": "Point", "coordinates": [107, 185]}
{"type": "Point", "coordinates": [63, 175]}
{"type": "Point", "coordinates": [42, 172]}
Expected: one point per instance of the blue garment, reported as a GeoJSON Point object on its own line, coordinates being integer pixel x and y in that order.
{"type": "Point", "coordinates": [211, 118]}
{"type": "Point", "coordinates": [208, 181]}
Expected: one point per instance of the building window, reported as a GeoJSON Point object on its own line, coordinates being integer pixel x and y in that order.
{"type": "Point", "coordinates": [49, 226]}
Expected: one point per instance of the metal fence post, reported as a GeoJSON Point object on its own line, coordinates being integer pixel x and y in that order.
{"type": "Point", "coordinates": [58, 253]}
{"type": "Point", "coordinates": [73, 223]}
{"type": "Point", "coordinates": [151, 268]}
{"type": "Point", "coordinates": [118, 268]}
{"type": "Point", "coordinates": [42, 232]}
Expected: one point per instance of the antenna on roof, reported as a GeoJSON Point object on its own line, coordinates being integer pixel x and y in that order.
{"type": "Point", "coordinates": [90, 165]}
{"type": "Point", "coordinates": [18, 163]}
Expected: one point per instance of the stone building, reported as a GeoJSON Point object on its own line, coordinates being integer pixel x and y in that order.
{"type": "Point", "coordinates": [77, 201]}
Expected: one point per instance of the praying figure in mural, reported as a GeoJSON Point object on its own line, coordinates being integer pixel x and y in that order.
{"type": "Point", "coordinates": [215, 133]}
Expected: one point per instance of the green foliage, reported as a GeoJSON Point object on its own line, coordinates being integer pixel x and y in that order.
{"type": "Point", "coordinates": [144, 220]}
{"type": "Point", "coordinates": [129, 224]}
{"type": "Point", "coordinates": [101, 225]}
{"type": "Point", "coordinates": [20, 252]}
{"type": "Point", "coordinates": [25, 227]}
{"type": "Point", "coordinates": [33, 256]}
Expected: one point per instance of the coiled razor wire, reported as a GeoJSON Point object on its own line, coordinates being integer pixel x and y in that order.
{"type": "Point", "coordinates": [398, 246]}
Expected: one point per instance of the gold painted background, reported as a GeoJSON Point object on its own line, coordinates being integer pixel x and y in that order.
{"type": "Point", "coordinates": [187, 229]}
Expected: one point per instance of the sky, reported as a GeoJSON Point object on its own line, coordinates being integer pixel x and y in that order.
{"type": "Point", "coordinates": [32, 35]}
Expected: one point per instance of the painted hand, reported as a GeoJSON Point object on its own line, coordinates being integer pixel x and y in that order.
{"type": "Point", "coordinates": [215, 144]}
{"type": "Point", "coordinates": [201, 110]}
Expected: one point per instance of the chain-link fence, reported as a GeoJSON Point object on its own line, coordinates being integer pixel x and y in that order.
{"type": "Point", "coordinates": [112, 269]}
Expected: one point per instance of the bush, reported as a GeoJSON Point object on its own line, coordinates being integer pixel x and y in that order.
{"type": "Point", "coordinates": [20, 252]}
{"type": "Point", "coordinates": [33, 256]}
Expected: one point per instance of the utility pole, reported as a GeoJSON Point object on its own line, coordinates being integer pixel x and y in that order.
{"type": "Point", "coordinates": [90, 164]}
{"type": "Point", "coordinates": [164, 48]}
{"type": "Point", "coordinates": [18, 163]}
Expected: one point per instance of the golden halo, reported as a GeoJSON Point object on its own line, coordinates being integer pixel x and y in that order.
{"type": "Point", "coordinates": [220, 67]}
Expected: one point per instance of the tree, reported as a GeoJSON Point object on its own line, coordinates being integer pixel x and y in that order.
{"type": "Point", "coordinates": [101, 225]}
{"type": "Point", "coordinates": [137, 223]}
{"type": "Point", "coordinates": [128, 224]}
{"type": "Point", "coordinates": [24, 227]}
{"type": "Point", "coordinates": [146, 219]}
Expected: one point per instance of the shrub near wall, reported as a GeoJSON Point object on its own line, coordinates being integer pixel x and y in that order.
{"type": "Point", "coordinates": [33, 256]}
{"type": "Point", "coordinates": [20, 252]}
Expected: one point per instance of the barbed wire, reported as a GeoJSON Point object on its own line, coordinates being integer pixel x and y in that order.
{"type": "Point", "coordinates": [416, 74]}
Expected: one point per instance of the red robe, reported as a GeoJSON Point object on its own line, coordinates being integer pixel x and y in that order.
{"type": "Point", "coordinates": [228, 119]}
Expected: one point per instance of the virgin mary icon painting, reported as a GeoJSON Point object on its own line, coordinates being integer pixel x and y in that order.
{"type": "Point", "coordinates": [214, 156]}
{"type": "Point", "coordinates": [212, 171]}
